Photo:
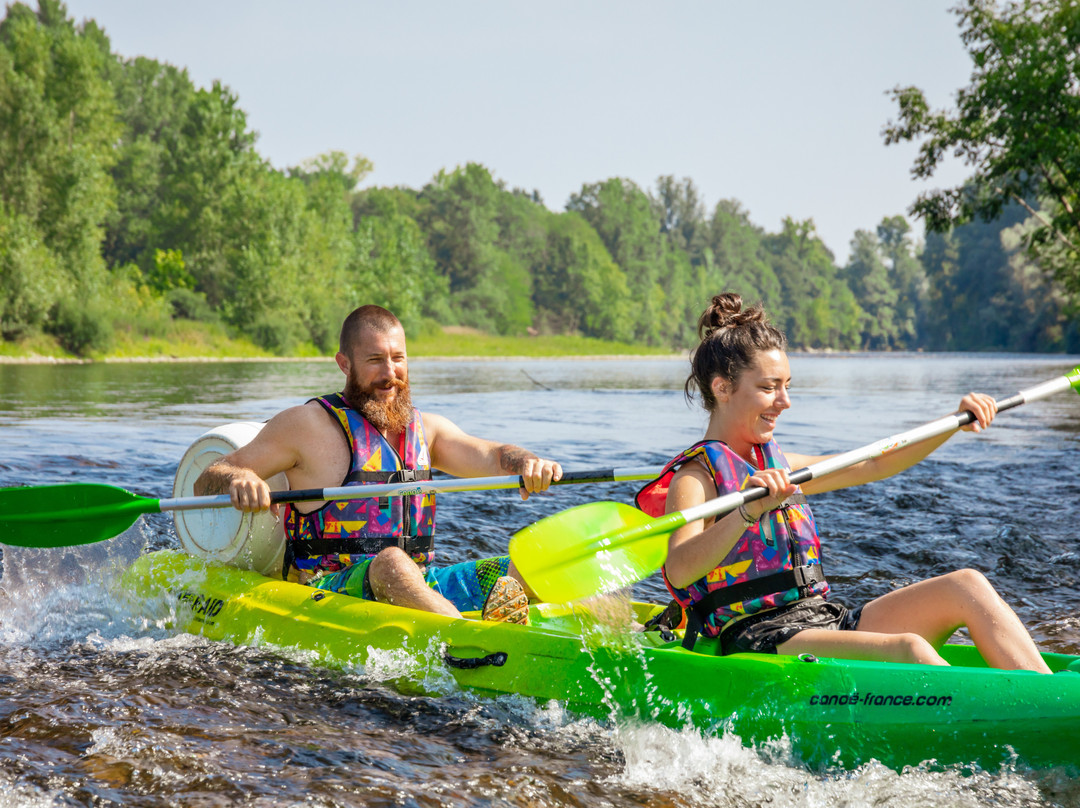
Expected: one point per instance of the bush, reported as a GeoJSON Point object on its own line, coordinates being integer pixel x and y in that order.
{"type": "Point", "coordinates": [274, 333]}
{"type": "Point", "coordinates": [81, 328]}
{"type": "Point", "coordinates": [188, 304]}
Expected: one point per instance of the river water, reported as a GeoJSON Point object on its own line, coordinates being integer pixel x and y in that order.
{"type": "Point", "coordinates": [100, 706]}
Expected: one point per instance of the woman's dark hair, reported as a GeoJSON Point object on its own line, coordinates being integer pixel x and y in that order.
{"type": "Point", "coordinates": [731, 338]}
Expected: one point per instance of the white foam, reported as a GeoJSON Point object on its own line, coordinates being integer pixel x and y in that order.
{"type": "Point", "coordinates": [720, 771]}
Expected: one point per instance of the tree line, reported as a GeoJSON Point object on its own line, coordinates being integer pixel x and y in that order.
{"type": "Point", "coordinates": [130, 199]}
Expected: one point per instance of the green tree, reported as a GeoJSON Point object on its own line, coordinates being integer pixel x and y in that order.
{"type": "Point", "coordinates": [1045, 314]}
{"type": "Point", "coordinates": [393, 268]}
{"type": "Point", "coordinates": [490, 284]}
{"type": "Point", "coordinates": [906, 276]}
{"type": "Point", "coordinates": [334, 165]}
{"type": "Point", "coordinates": [818, 309]}
{"type": "Point", "coordinates": [868, 278]}
{"type": "Point", "coordinates": [682, 216]}
{"type": "Point", "coordinates": [152, 101]}
{"type": "Point", "coordinates": [210, 170]}
{"type": "Point", "coordinates": [626, 221]}
{"type": "Point", "coordinates": [736, 257]}
{"type": "Point", "coordinates": [889, 284]}
{"type": "Point", "coordinates": [57, 130]}
{"type": "Point", "coordinates": [946, 294]}
{"type": "Point", "coordinates": [31, 277]}
{"type": "Point", "coordinates": [973, 301]}
{"type": "Point", "coordinates": [577, 287]}
{"type": "Point", "coordinates": [1017, 124]}
{"type": "Point", "coordinates": [460, 221]}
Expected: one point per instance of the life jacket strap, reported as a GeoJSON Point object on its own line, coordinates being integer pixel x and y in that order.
{"type": "Point", "coordinates": [369, 546]}
{"type": "Point", "coordinates": [802, 578]}
{"type": "Point", "coordinates": [666, 621]}
{"type": "Point", "coordinates": [389, 477]}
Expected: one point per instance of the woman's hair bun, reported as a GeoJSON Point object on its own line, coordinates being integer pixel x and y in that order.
{"type": "Point", "coordinates": [726, 311]}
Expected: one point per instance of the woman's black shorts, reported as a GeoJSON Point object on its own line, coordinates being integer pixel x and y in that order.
{"type": "Point", "coordinates": [762, 632]}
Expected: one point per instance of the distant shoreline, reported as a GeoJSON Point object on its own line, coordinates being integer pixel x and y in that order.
{"type": "Point", "coordinates": [147, 360]}
{"type": "Point", "coordinates": [608, 357]}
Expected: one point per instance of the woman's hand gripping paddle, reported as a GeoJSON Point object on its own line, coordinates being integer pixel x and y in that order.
{"type": "Point", "coordinates": [84, 513]}
{"type": "Point", "coordinates": [602, 546]}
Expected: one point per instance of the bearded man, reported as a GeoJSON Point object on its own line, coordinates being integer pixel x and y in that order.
{"type": "Point", "coordinates": [377, 548]}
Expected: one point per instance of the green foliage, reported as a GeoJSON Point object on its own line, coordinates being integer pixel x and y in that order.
{"type": "Point", "coordinates": [81, 327]}
{"type": "Point", "coordinates": [579, 289]}
{"type": "Point", "coordinates": [736, 257]}
{"type": "Point", "coordinates": [889, 284]}
{"type": "Point", "coordinates": [868, 278]}
{"type": "Point", "coordinates": [30, 276]}
{"type": "Point", "coordinates": [393, 268]}
{"type": "Point", "coordinates": [169, 271]}
{"type": "Point", "coordinates": [1017, 124]}
{"type": "Point", "coordinates": [459, 218]}
{"type": "Point", "coordinates": [986, 294]}
{"type": "Point", "coordinates": [485, 259]}
{"type": "Point", "coordinates": [153, 101]}
{"type": "Point", "coordinates": [907, 276]}
{"type": "Point", "coordinates": [187, 304]}
{"type": "Point", "coordinates": [334, 166]}
{"type": "Point", "coordinates": [133, 202]}
{"type": "Point", "coordinates": [818, 309]}
{"type": "Point", "coordinates": [627, 222]}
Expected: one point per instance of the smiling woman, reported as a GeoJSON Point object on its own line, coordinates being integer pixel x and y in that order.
{"type": "Point", "coordinates": [754, 577]}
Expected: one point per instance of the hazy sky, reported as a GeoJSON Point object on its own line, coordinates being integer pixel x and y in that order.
{"type": "Point", "coordinates": [779, 105]}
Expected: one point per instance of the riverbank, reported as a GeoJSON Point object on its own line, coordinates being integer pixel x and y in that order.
{"type": "Point", "coordinates": [203, 346]}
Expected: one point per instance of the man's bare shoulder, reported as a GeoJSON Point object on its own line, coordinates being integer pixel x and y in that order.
{"type": "Point", "coordinates": [299, 424]}
{"type": "Point", "coordinates": [306, 441]}
{"type": "Point", "coordinates": [307, 413]}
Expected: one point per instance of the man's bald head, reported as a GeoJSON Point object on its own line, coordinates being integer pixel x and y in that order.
{"type": "Point", "coordinates": [371, 317]}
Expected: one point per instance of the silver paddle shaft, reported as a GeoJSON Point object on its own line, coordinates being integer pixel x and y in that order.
{"type": "Point", "coordinates": [414, 488]}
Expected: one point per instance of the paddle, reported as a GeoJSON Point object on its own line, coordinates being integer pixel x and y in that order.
{"type": "Point", "coordinates": [83, 513]}
{"type": "Point", "coordinates": [602, 546]}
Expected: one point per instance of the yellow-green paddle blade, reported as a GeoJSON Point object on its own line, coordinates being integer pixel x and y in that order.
{"type": "Point", "coordinates": [593, 548]}
{"type": "Point", "coordinates": [69, 514]}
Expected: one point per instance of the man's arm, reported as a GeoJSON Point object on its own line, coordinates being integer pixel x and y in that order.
{"type": "Point", "coordinates": [463, 455]}
{"type": "Point", "coordinates": [243, 473]}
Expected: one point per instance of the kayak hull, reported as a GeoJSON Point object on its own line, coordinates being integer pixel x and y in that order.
{"type": "Point", "coordinates": [828, 712]}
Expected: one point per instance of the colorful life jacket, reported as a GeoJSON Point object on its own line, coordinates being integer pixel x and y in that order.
{"type": "Point", "coordinates": [342, 532]}
{"type": "Point", "coordinates": [776, 561]}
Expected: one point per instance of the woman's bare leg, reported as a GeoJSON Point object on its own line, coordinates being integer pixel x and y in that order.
{"type": "Point", "coordinates": [869, 645]}
{"type": "Point", "coordinates": [931, 610]}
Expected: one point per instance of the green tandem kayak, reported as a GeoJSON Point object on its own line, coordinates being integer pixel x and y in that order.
{"type": "Point", "coordinates": [833, 713]}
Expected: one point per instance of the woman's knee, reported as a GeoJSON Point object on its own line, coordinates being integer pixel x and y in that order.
{"type": "Point", "coordinates": [972, 585]}
{"type": "Point", "coordinates": [913, 648]}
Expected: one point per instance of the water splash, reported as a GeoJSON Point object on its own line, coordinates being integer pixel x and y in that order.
{"type": "Point", "coordinates": [720, 772]}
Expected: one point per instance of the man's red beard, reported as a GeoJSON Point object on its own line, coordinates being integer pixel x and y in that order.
{"type": "Point", "coordinates": [386, 415]}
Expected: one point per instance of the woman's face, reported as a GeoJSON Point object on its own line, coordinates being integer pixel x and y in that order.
{"type": "Point", "coordinates": [751, 409]}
